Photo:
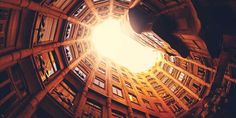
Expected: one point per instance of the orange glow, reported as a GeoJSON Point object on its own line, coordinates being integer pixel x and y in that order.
{"type": "Point", "coordinates": [110, 41]}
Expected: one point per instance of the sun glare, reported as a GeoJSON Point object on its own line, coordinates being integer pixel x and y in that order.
{"type": "Point", "coordinates": [110, 41]}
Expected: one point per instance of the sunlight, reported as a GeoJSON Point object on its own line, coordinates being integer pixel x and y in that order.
{"type": "Point", "coordinates": [109, 41]}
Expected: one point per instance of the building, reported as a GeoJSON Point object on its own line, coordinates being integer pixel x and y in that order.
{"type": "Point", "coordinates": [48, 66]}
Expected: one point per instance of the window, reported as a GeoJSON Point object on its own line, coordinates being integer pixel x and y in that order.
{"type": "Point", "coordinates": [124, 75]}
{"type": "Point", "coordinates": [144, 84]}
{"type": "Point", "coordinates": [88, 18]}
{"type": "Point", "coordinates": [103, 64]}
{"type": "Point", "coordinates": [175, 108]}
{"type": "Point", "coordinates": [128, 84]}
{"type": "Point", "coordinates": [148, 76]}
{"type": "Point", "coordinates": [201, 72]}
{"type": "Point", "coordinates": [140, 90]}
{"type": "Point", "coordinates": [181, 76]}
{"type": "Point", "coordinates": [159, 107]}
{"type": "Point", "coordinates": [131, 73]}
{"type": "Point", "coordinates": [184, 65]}
{"type": "Point", "coordinates": [4, 13]}
{"type": "Point", "coordinates": [147, 104]}
{"type": "Point", "coordinates": [118, 114]}
{"type": "Point", "coordinates": [196, 86]}
{"type": "Point", "coordinates": [46, 64]}
{"type": "Point", "coordinates": [117, 91]}
{"type": "Point", "coordinates": [123, 69]}
{"type": "Point", "coordinates": [68, 53]}
{"type": "Point", "coordinates": [64, 94]}
{"type": "Point", "coordinates": [188, 100]}
{"type": "Point", "coordinates": [13, 89]}
{"type": "Point", "coordinates": [197, 57]}
{"type": "Point", "coordinates": [101, 70]}
{"type": "Point", "coordinates": [79, 10]}
{"type": "Point", "coordinates": [156, 86]}
{"type": "Point", "coordinates": [45, 29]}
{"type": "Point", "coordinates": [170, 70]}
{"type": "Point", "coordinates": [133, 98]}
{"type": "Point", "coordinates": [81, 32]}
{"type": "Point", "coordinates": [135, 81]}
{"type": "Point", "coordinates": [92, 110]}
{"type": "Point", "coordinates": [150, 35]}
{"type": "Point", "coordinates": [150, 79]}
{"type": "Point", "coordinates": [99, 82]}
{"type": "Point", "coordinates": [173, 87]}
{"type": "Point", "coordinates": [115, 78]}
{"type": "Point", "coordinates": [172, 59]}
{"type": "Point", "coordinates": [102, 10]}
{"type": "Point", "coordinates": [124, 1]}
{"type": "Point", "coordinates": [161, 64]}
{"type": "Point", "coordinates": [80, 73]}
{"type": "Point", "coordinates": [88, 63]}
{"type": "Point", "coordinates": [68, 31]}
{"type": "Point", "coordinates": [156, 72]}
{"type": "Point", "coordinates": [92, 56]}
{"type": "Point", "coordinates": [85, 45]}
{"type": "Point", "coordinates": [114, 69]}
{"type": "Point", "coordinates": [164, 79]}
{"type": "Point", "coordinates": [150, 93]}
{"type": "Point", "coordinates": [60, 4]}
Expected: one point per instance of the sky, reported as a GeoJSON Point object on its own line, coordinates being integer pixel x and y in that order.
{"type": "Point", "coordinates": [109, 41]}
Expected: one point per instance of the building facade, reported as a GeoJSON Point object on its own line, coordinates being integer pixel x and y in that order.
{"type": "Point", "coordinates": [49, 68]}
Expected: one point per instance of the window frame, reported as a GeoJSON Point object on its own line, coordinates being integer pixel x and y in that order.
{"type": "Point", "coordinates": [181, 76]}
{"type": "Point", "coordinates": [159, 107]}
{"type": "Point", "coordinates": [139, 90]}
{"type": "Point", "coordinates": [81, 74]}
{"type": "Point", "coordinates": [99, 81]}
{"type": "Point", "coordinates": [102, 70]}
{"type": "Point", "coordinates": [117, 91]}
{"type": "Point", "coordinates": [66, 88]}
{"type": "Point", "coordinates": [128, 84]}
{"type": "Point", "coordinates": [150, 93]}
{"type": "Point", "coordinates": [147, 104]}
{"type": "Point", "coordinates": [133, 98]}
{"type": "Point", "coordinates": [54, 64]}
{"type": "Point", "coordinates": [115, 78]}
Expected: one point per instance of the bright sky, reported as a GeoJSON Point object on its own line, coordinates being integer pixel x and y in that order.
{"type": "Point", "coordinates": [111, 42]}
